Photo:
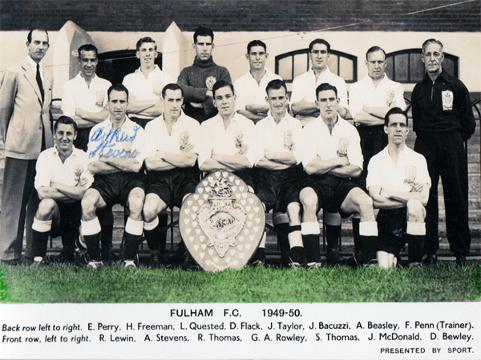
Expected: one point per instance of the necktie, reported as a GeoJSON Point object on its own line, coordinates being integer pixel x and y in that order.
{"type": "Point", "coordinates": [39, 81]}
{"type": "Point", "coordinates": [40, 86]}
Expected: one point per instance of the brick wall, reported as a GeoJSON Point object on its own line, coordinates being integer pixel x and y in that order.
{"type": "Point", "coordinates": [245, 15]}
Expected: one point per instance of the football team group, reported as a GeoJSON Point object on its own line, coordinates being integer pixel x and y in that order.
{"type": "Point", "coordinates": [146, 142]}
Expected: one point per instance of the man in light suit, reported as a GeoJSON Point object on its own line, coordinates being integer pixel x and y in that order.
{"type": "Point", "coordinates": [25, 95]}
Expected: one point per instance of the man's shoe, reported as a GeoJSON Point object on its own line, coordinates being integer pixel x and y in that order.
{"type": "Point", "coordinates": [294, 264]}
{"type": "Point", "coordinates": [460, 260]}
{"type": "Point", "coordinates": [313, 265]}
{"type": "Point", "coordinates": [129, 264]}
{"type": "Point", "coordinates": [38, 261]}
{"type": "Point", "coordinates": [95, 264]}
{"type": "Point", "coordinates": [415, 264]}
{"type": "Point", "coordinates": [259, 257]}
{"type": "Point", "coordinates": [351, 261]}
{"type": "Point", "coordinates": [63, 258]}
{"type": "Point", "coordinates": [371, 263]}
{"type": "Point", "coordinates": [334, 258]}
{"type": "Point", "coordinates": [429, 259]}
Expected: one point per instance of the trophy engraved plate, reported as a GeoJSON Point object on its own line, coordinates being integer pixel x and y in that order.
{"type": "Point", "coordinates": [222, 223]}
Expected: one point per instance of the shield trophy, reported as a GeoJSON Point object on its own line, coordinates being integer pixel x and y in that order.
{"type": "Point", "coordinates": [221, 223]}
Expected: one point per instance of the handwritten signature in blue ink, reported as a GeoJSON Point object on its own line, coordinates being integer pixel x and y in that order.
{"type": "Point", "coordinates": [108, 140]}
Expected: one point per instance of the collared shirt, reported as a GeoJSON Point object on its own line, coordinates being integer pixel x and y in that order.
{"type": "Point", "coordinates": [283, 136]}
{"type": "Point", "coordinates": [33, 65]}
{"type": "Point", "coordinates": [384, 172]}
{"type": "Point", "coordinates": [248, 91]}
{"type": "Point", "coordinates": [185, 131]}
{"type": "Point", "coordinates": [442, 106]}
{"type": "Point", "coordinates": [216, 138]}
{"type": "Point", "coordinates": [77, 94]}
{"type": "Point", "coordinates": [387, 93]}
{"type": "Point", "coordinates": [304, 86]}
{"type": "Point", "coordinates": [126, 142]}
{"type": "Point", "coordinates": [319, 141]}
{"type": "Point", "coordinates": [147, 88]}
{"type": "Point", "coordinates": [73, 171]}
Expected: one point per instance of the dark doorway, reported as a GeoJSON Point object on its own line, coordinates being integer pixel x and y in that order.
{"type": "Point", "coordinates": [114, 65]}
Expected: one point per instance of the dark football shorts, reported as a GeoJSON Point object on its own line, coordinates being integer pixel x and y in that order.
{"type": "Point", "coordinates": [331, 191]}
{"type": "Point", "coordinates": [278, 188]}
{"type": "Point", "coordinates": [115, 188]}
{"type": "Point", "coordinates": [391, 224]}
{"type": "Point", "coordinates": [247, 176]}
{"type": "Point", "coordinates": [171, 185]}
{"type": "Point", "coordinates": [67, 220]}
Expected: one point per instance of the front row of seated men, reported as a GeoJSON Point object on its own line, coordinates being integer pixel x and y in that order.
{"type": "Point", "coordinates": [298, 171]}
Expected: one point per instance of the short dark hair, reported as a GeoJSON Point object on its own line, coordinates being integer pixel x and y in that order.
{"type": "Point", "coordinates": [172, 87]}
{"type": "Point", "coordinates": [431, 41]}
{"type": "Point", "coordinates": [146, 39]}
{"type": "Point", "coordinates": [276, 84]}
{"type": "Point", "coordinates": [29, 35]}
{"type": "Point", "coordinates": [319, 41]}
{"type": "Point", "coordinates": [88, 47]}
{"type": "Point", "coordinates": [393, 111]}
{"type": "Point", "coordinates": [117, 87]}
{"type": "Point", "coordinates": [220, 84]}
{"type": "Point", "coordinates": [203, 31]}
{"type": "Point", "coordinates": [374, 49]}
{"type": "Point", "coordinates": [324, 87]}
{"type": "Point", "coordinates": [67, 120]}
{"type": "Point", "coordinates": [253, 43]}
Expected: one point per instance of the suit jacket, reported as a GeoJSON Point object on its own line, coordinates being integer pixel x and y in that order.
{"type": "Point", "coordinates": [22, 112]}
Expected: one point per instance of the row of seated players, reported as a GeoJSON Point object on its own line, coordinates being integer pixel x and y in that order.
{"type": "Point", "coordinates": [298, 171]}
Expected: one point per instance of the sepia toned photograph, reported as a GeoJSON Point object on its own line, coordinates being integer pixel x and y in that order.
{"type": "Point", "coordinates": [241, 152]}
{"type": "Point", "coordinates": [71, 215]}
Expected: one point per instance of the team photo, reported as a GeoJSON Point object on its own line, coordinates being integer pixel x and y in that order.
{"type": "Point", "coordinates": [297, 166]}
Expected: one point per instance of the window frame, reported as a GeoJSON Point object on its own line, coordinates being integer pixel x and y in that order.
{"type": "Point", "coordinates": [339, 54]}
{"type": "Point", "coordinates": [111, 56]}
{"type": "Point", "coordinates": [417, 51]}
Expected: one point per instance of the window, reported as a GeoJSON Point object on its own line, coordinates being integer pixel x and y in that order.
{"type": "Point", "coordinates": [114, 65]}
{"type": "Point", "coordinates": [405, 66]}
{"type": "Point", "coordinates": [297, 62]}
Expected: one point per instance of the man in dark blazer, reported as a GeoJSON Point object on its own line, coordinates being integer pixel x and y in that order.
{"type": "Point", "coordinates": [25, 95]}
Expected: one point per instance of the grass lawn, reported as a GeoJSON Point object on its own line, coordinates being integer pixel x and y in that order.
{"type": "Point", "coordinates": [111, 284]}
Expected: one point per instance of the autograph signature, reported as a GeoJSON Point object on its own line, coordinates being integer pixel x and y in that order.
{"type": "Point", "coordinates": [108, 141]}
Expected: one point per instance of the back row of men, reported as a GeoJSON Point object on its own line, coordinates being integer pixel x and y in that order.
{"type": "Point", "coordinates": [441, 113]}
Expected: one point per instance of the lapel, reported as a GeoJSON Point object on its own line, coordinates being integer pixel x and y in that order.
{"type": "Point", "coordinates": [47, 87]}
{"type": "Point", "coordinates": [31, 78]}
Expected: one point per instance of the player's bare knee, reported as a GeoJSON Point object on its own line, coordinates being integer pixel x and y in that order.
{"type": "Point", "coordinates": [136, 204]}
{"type": "Point", "coordinates": [415, 210]}
{"type": "Point", "coordinates": [149, 212]}
{"type": "Point", "coordinates": [308, 199]}
{"type": "Point", "coordinates": [293, 209]}
{"type": "Point", "coordinates": [366, 207]}
{"type": "Point", "coordinates": [88, 205]}
{"type": "Point", "coordinates": [294, 212]}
